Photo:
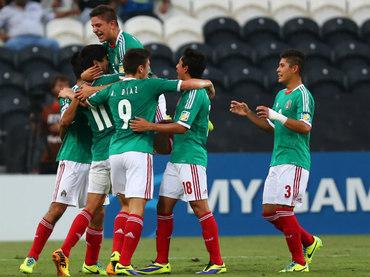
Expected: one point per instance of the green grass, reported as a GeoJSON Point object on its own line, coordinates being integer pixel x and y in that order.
{"type": "Point", "coordinates": [244, 256]}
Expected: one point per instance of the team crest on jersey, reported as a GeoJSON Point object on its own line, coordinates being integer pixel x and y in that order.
{"type": "Point", "coordinates": [184, 116]}
{"type": "Point", "coordinates": [288, 104]}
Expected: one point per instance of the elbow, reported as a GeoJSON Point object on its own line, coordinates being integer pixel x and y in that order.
{"type": "Point", "coordinates": [306, 129]}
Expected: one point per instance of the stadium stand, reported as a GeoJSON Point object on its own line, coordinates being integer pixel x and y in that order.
{"type": "Point", "coordinates": [242, 40]}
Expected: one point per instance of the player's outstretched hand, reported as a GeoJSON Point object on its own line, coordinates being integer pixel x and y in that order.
{"type": "Point", "coordinates": [92, 73]}
{"type": "Point", "coordinates": [239, 108]}
{"type": "Point", "coordinates": [66, 93]}
{"type": "Point", "coordinates": [262, 112]}
{"type": "Point", "coordinates": [85, 92]}
{"type": "Point", "coordinates": [139, 124]}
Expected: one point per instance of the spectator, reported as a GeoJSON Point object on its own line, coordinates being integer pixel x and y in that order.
{"type": "Point", "coordinates": [61, 8]}
{"type": "Point", "coordinates": [23, 24]}
{"type": "Point", "coordinates": [131, 8]}
{"type": "Point", "coordinates": [50, 126]}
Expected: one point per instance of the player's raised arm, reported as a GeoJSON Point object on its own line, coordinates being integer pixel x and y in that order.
{"type": "Point", "coordinates": [242, 109]}
{"type": "Point", "coordinates": [198, 84]}
{"type": "Point", "coordinates": [68, 116]}
{"type": "Point", "coordinates": [141, 125]}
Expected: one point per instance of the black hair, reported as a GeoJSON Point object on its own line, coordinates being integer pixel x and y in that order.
{"type": "Point", "coordinates": [294, 57]}
{"type": "Point", "coordinates": [57, 78]}
{"type": "Point", "coordinates": [133, 58]}
{"type": "Point", "coordinates": [85, 58]}
{"type": "Point", "coordinates": [195, 61]}
{"type": "Point", "coordinates": [105, 12]}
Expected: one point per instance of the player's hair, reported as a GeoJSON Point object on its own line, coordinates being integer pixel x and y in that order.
{"type": "Point", "coordinates": [105, 12]}
{"type": "Point", "coordinates": [133, 58]}
{"type": "Point", "coordinates": [57, 78]}
{"type": "Point", "coordinates": [85, 58]}
{"type": "Point", "coordinates": [196, 62]}
{"type": "Point", "coordinates": [294, 57]}
{"type": "Point", "coordinates": [76, 65]}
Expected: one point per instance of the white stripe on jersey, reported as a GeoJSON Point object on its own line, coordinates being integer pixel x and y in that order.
{"type": "Point", "coordinates": [191, 98]}
{"type": "Point", "coordinates": [305, 99]}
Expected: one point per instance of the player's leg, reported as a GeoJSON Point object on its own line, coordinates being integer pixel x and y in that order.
{"type": "Point", "coordinates": [194, 185]}
{"type": "Point", "coordinates": [139, 188]}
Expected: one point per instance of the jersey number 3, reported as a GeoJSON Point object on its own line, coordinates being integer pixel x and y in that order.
{"type": "Point", "coordinates": [124, 112]}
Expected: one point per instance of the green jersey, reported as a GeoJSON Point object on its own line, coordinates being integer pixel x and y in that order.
{"type": "Point", "coordinates": [101, 122]}
{"type": "Point", "coordinates": [115, 54]}
{"type": "Point", "coordinates": [76, 144]}
{"type": "Point", "coordinates": [129, 99]}
{"type": "Point", "coordinates": [192, 112]}
{"type": "Point", "coordinates": [291, 147]}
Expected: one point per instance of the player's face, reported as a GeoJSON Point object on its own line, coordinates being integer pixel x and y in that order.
{"type": "Point", "coordinates": [181, 70]}
{"type": "Point", "coordinates": [103, 64]}
{"type": "Point", "coordinates": [59, 85]}
{"type": "Point", "coordinates": [103, 29]}
{"type": "Point", "coordinates": [284, 71]}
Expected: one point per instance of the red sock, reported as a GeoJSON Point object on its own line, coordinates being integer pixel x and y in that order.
{"type": "Point", "coordinates": [134, 226]}
{"type": "Point", "coordinates": [43, 232]}
{"type": "Point", "coordinates": [76, 231]}
{"type": "Point", "coordinates": [164, 232]}
{"type": "Point", "coordinates": [118, 229]}
{"type": "Point", "coordinates": [306, 238]}
{"type": "Point", "coordinates": [94, 239]}
{"type": "Point", "coordinates": [210, 236]}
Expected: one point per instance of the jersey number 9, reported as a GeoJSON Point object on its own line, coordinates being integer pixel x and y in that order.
{"type": "Point", "coordinates": [124, 111]}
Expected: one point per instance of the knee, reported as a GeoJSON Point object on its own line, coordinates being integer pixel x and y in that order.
{"type": "Point", "coordinates": [199, 209]}
{"type": "Point", "coordinates": [55, 212]}
{"type": "Point", "coordinates": [98, 219]}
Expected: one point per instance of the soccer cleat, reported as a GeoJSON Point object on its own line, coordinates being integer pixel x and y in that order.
{"type": "Point", "coordinates": [155, 268]}
{"type": "Point", "coordinates": [295, 267]}
{"type": "Point", "coordinates": [310, 250]}
{"type": "Point", "coordinates": [27, 265]}
{"type": "Point", "coordinates": [61, 262]}
{"type": "Point", "coordinates": [125, 270]}
{"type": "Point", "coordinates": [213, 269]}
{"type": "Point", "coordinates": [114, 258]}
{"type": "Point", "coordinates": [93, 269]}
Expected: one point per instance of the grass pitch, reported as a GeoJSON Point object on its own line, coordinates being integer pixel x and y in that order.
{"type": "Point", "coordinates": [244, 256]}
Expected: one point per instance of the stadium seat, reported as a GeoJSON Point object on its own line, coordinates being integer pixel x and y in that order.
{"type": "Point", "coordinates": [204, 48]}
{"type": "Point", "coordinates": [268, 54]}
{"type": "Point", "coordinates": [300, 29]}
{"type": "Point", "coordinates": [359, 10]}
{"type": "Point", "coordinates": [208, 9]}
{"type": "Point", "coordinates": [13, 101]}
{"type": "Point", "coordinates": [322, 11]}
{"type": "Point", "coordinates": [66, 31]}
{"type": "Point", "coordinates": [35, 58]}
{"type": "Point", "coordinates": [337, 30]}
{"type": "Point", "coordinates": [365, 31]}
{"type": "Point", "coordinates": [326, 83]}
{"type": "Point", "coordinates": [317, 54]}
{"type": "Point", "coordinates": [233, 54]}
{"type": "Point", "coordinates": [220, 30]}
{"type": "Point", "coordinates": [64, 60]}
{"type": "Point", "coordinates": [284, 10]}
{"type": "Point", "coordinates": [181, 30]}
{"type": "Point", "coordinates": [352, 54]}
{"type": "Point", "coordinates": [245, 10]}
{"type": "Point", "coordinates": [259, 30]}
{"type": "Point", "coordinates": [165, 71]}
{"type": "Point", "coordinates": [161, 56]}
{"type": "Point", "coordinates": [38, 82]}
{"type": "Point", "coordinates": [7, 59]}
{"type": "Point", "coordinates": [178, 7]}
{"type": "Point", "coordinates": [358, 79]}
{"type": "Point", "coordinates": [11, 81]}
{"type": "Point", "coordinates": [146, 29]}
{"type": "Point", "coordinates": [218, 78]}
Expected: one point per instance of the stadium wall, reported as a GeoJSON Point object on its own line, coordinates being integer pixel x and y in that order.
{"type": "Point", "coordinates": [337, 202]}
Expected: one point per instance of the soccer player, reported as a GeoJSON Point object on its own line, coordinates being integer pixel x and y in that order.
{"type": "Point", "coordinates": [185, 176]}
{"type": "Point", "coordinates": [290, 119]}
{"type": "Point", "coordinates": [71, 180]}
{"type": "Point", "coordinates": [100, 122]}
{"type": "Point", "coordinates": [130, 152]}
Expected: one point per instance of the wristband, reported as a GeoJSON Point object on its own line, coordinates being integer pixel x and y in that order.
{"type": "Point", "coordinates": [277, 116]}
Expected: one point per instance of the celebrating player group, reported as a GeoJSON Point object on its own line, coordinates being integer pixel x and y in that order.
{"type": "Point", "coordinates": [114, 119]}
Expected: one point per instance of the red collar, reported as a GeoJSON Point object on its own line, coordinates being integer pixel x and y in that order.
{"type": "Point", "coordinates": [288, 91]}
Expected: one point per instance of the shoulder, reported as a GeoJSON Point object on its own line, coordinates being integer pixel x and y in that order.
{"type": "Point", "coordinates": [304, 94]}
{"type": "Point", "coordinates": [130, 38]}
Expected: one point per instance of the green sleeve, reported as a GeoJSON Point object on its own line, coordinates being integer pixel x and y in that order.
{"type": "Point", "coordinates": [305, 106]}
{"type": "Point", "coordinates": [64, 104]}
{"type": "Point", "coordinates": [190, 105]}
{"type": "Point", "coordinates": [160, 86]}
{"type": "Point", "coordinates": [100, 97]}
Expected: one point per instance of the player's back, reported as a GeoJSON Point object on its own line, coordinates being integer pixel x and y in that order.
{"type": "Point", "coordinates": [76, 145]}
{"type": "Point", "coordinates": [192, 111]}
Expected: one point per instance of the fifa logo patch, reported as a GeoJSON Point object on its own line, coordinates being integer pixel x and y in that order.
{"type": "Point", "coordinates": [306, 117]}
{"type": "Point", "coordinates": [288, 104]}
{"type": "Point", "coordinates": [184, 116]}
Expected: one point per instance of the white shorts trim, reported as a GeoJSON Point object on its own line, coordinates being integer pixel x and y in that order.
{"type": "Point", "coordinates": [71, 183]}
{"type": "Point", "coordinates": [187, 182]}
{"type": "Point", "coordinates": [285, 185]}
{"type": "Point", "coordinates": [99, 177]}
{"type": "Point", "coordinates": [132, 174]}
